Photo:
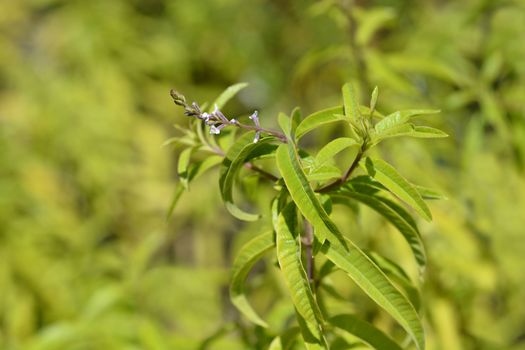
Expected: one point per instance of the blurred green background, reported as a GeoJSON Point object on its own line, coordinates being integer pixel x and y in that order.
{"type": "Point", "coordinates": [87, 260]}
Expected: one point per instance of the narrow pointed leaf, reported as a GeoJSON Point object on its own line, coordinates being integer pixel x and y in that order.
{"type": "Point", "coordinates": [194, 172]}
{"type": "Point", "coordinates": [398, 185]}
{"type": "Point", "coordinates": [296, 120]}
{"type": "Point", "coordinates": [177, 193]}
{"type": "Point", "coordinates": [325, 172]}
{"type": "Point", "coordinates": [235, 158]}
{"type": "Point", "coordinates": [398, 276]}
{"type": "Point", "coordinates": [364, 331]}
{"type": "Point", "coordinates": [303, 194]}
{"type": "Point", "coordinates": [408, 231]}
{"type": "Point", "coordinates": [227, 95]}
{"type": "Point", "coordinates": [367, 275]}
{"type": "Point", "coordinates": [401, 117]}
{"type": "Point", "coordinates": [334, 147]}
{"type": "Point", "coordinates": [326, 116]}
{"type": "Point", "coordinates": [430, 193]}
{"type": "Point", "coordinates": [289, 257]}
{"type": "Point", "coordinates": [246, 258]}
{"type": "Point", "coordinates": [350, 103]}
{"type": "Point", "coordinates": [318, 119]}
{"type": "Point", "coordinates": [311, 342]}
{"type": "Point", "coordinates": [373, 99]}
{"type": "Point", "coordinates": [182, 166]}
{"type": "Point", "coordinates": [344, 254]}
{"type": "Point", "coordinates": [286, 124]}
{"type": "Point", "coordinates": [426, 132]}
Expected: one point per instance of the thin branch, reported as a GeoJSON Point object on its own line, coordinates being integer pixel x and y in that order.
{"type": "Point", "coordinates": [263, 172]}
{"type": "Point", "coordinates": [307, 240]}
{"type": "Point", "coordinates": [339, 182]}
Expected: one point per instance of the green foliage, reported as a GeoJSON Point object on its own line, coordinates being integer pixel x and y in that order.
{"type": "Point", "coordinates": [87, 258]}
{"type": "Point", "coordinates": [321, 236]}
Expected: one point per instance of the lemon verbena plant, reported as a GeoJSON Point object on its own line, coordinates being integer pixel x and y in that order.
{"type": "Point", "coordinates": [303, 238]}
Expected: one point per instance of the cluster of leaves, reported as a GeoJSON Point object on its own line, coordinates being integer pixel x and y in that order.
{"type": "Point", "coordinates": [302, 231]}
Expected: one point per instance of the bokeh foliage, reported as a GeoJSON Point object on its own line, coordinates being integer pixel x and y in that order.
{"type": "Point", "coordinates": [87, 260]}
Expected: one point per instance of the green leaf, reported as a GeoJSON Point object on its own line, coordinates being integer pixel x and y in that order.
{"type": "Point", "coordinates": [429, 193]}
{"type": "Point", "coordinates": [427, 132]}
{"type": "Point", "coordinates": [177, 193]}
{"type": "Point", "coordinates": [182, 166]}
{"type": "Point", "coordinates": [194, 172]}
{"type": "Point", "coordinates": [289, 257]}
{"type": "Point", "coordinates": [373, 282]}
{"type": "Point", "coordinates": [398, 185]}
{"type": "Point", "coordinates": [409, 232]}
{"type": "Point", "coordinates": [394, 131]}
{"type": "Point", "coordinates": [326, 116]}
{"type": "Point", "coordinates": [235, 158]}
{"type": "Point", "coordinates": [323, 173]}
{"type": "Point", "coordinates": [350, 104]}
{"type": "Point", "coordinates": [296, 119]}
{"type": "Point", "coordinates": [373, 99]}
{"type": "Point", "coordinates": [303, 195]}
{"type": "Point", "coordinates": [401, 117]}
{"type": "Point", "coordinates": [334, 147]}
{"type": "Point", "coordinates": [318, 119]}
{"type": "Point", "coordinates": [398, 276]}
{"type": "Point", "coordinates": [346, 255]}
{"type": "Point", "coordinates": [244, 261]}
{"type": "Point", "coordinates": [286, 340]}
{"type": "Point", "coordinates": [227, 95]}
{"type": "Point", "coordinates": [286, 124]}
{"type": "Point", "coordinates": [364, 331]}
{"type": "Point", "coordinates": [311, 342]}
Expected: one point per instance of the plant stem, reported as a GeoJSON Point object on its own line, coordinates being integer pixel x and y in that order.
{"type": "Point", "coordinates": [345, 177]}
{"type": "Point", "coordinates": [307, 241]}
{"type": "Point", "coordinates": [275, 133]}
{"type": "Point", "coordinates": [263, 172]}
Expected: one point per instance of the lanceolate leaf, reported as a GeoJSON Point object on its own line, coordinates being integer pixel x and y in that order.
{"type": "Point", "coordinates": [426, 132]}
{"type": "Point", "coordinates": [311, 342]}
{"type": "Point", "coordinates": [344, 254]}
{"type": "Point", "coordinates": [289, 257]}
{"type": "Point", "coordinates": [246, 258]}
{"type": "Point", "coordinates": [350, 104]}
{"type": "Point", "coordinates": [318, 119]}
{"type": "Point", "coordinates": [398, 276]}
{"type": "Point", "coordinates": [409, 232]}
{"type": "Point", "coordinates": [236, 156]}
{"type": "Point", "coordinates": [429, 193]}
{"type": "Point", "coordinates": [364, 331]}
{"type": "Point", "coordinates": [227, 95]}
{"type": "Point", "coordinates": [326, 116]}
{"type": "Point", "coordinates": [401, 117]}
{"type": "Point", "coordinates": [194, 172]}
{"type": "Point", "coordinates": [303, 195]}
{"type": "Point", "coordinates": [398, 185]}
{"type": "Point", "coordinates": [324, 173]}
{"type": "Point", "coordinates": [332, 148]}
{"type": "Point", "coordinates": [373, 282]}
{"type": "Point", "coordinates": [286, 124]}
{"type": "Point", "coordinates": [182, 166]}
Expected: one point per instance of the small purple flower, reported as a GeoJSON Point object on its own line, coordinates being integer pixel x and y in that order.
{"type": "Point", "coordinates": [218, 114]}
{"type": "Point", "coordinates": [257, 137]}
{"type": "Point", "coordinates": [255, 118]}
{"type": "Point", "coordinates": [216, 130]}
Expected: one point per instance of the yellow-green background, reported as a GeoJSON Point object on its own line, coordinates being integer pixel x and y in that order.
{"type": "Point", "coordinates": [87, 260]}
